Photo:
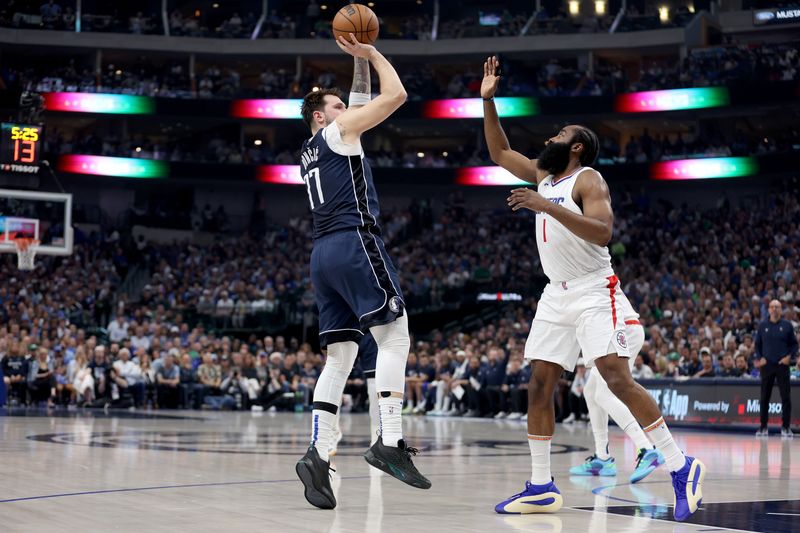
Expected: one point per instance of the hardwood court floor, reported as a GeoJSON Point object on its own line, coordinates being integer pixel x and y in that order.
{"type": "Point", "coordinates": [202, 471]}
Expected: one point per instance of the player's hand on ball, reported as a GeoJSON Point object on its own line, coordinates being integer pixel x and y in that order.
{"type": "Point", "coordinates": [527, 199]}
{"type": "Point", "coordinates": [355, 48]}
{"type": "Point", "coordinates": [491, 77]}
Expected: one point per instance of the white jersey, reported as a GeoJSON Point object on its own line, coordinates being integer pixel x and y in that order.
{"type": "Point", "coordinates": [564, 255]}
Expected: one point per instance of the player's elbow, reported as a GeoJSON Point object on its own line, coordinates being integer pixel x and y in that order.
{"type": "Point", "coordinates": [400, 96]}
{"type": "Point", "coordinates": [605, 237]}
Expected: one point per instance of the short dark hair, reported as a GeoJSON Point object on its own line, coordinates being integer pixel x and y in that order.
{"type": "Point", "coordinates": [591, 145]}
{"type": "Point", "coordinates": [315, 101]}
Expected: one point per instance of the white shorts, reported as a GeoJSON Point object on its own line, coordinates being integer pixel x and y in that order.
{"type": "Point", "coordinates": [582, 316]}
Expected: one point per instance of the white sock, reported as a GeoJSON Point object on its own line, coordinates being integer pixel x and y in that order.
{"type": "Point", "coordinates": [598, 417]}
{"type": "Point", "coordinates": [540, 459]}
{"type": "Point", "coordinates": [322, 431]}
{"type": "Point", "coordinates": [634, 431]}
{"type": "Point", "coordinates": [391, 421]}
{"type": "Point", "coordinates": [374, 412]}
{"type": "Point", "coordinates": [662, 438]}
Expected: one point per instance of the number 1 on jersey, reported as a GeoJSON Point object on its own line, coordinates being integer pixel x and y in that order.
{"type": "Point", "coordinates": [313, 175]}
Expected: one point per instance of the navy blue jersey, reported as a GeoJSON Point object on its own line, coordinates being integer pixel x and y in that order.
{"type": "Point", "coordinates": [339, 184]}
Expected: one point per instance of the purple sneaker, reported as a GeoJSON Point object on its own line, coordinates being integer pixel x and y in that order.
{"type": "Point", "coordinates": [688, 485]}
{"type": "Point", "coordinates": [534, 499]}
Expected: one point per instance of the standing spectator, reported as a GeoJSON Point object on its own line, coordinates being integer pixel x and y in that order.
{"type": "Point", "coordinates": [776, 348]}
{"type": "Point", "coordinates": [51, 13]}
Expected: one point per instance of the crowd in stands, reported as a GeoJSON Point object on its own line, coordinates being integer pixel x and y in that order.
{"type": "Point", "coordinates": [545, 78]}
{"type": "Point", "coordinates": [701, 281]}
{"type": "Point", "coordinates": [213, 147]}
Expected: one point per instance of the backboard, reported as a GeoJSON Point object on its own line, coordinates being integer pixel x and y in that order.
{"type": "Point", "coordinates": [44, 216]}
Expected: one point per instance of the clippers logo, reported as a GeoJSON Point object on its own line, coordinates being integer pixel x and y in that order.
{"type": "Point", "coordinates": [564, 285]}
{"type": "Point", "coordinates": [621, 340]}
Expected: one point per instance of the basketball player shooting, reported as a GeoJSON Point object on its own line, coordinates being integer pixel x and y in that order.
{"type": "Point", "coordinates": [580, 309]}
{"type": "Point", "coordinates": [354, 279]}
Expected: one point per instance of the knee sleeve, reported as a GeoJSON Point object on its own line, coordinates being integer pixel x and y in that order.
{"type": "Point", "coordinates": [339, 363]}
{"type": "Point", "coordinates": [393, 345]}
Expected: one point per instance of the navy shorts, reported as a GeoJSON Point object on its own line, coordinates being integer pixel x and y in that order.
{"type": "Point", "coordinates": [355, 283]}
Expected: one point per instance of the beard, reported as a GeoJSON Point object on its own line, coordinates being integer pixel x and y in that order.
{"type": "Point", "coordinates": [554, 158]}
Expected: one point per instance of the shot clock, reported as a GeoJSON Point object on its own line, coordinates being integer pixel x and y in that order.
{"type": "Point", "coordinates": [20, 147]}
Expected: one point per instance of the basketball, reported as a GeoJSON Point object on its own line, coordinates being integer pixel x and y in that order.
{"type": "Point", "coordinates": [356, 19]}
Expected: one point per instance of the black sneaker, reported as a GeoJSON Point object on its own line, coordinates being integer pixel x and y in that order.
{"type": "Point", "coordinates": [397, 463]}
{"type": "Point", "coordinates": [313, 472]}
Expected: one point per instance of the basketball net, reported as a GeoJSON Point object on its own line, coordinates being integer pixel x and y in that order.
{"type": "Point", "coordinates": [26, 252]}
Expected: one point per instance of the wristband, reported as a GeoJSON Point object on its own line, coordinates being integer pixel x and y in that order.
{"type": "Point", "coordinates": [360, 98]}
{"type": "Point", "coordinates": [488, 99]}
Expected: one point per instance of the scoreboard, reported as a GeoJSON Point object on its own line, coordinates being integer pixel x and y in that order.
{"type": "Point", "coordinates": [20, 147]}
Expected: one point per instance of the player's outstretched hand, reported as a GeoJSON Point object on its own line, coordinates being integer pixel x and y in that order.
{"type": "Point", "coordinates": [491, 77]}
{"type": "Point", "coordinates": [355, 48]}
{"type": "Point", "coordinates": [524, 198]}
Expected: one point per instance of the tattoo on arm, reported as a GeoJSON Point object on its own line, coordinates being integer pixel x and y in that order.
{"type": "Point", "coordinates": [361, 80]}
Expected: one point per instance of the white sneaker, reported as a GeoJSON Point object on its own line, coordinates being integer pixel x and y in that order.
{"type": "Point", "coordinates": [514, 416]}
{"type": "Point", "coordinates": [762, 433]}
{"type": "Point", "coordinates": [786, 433]}
{"type": "Point", "coordinates": [501, 414]}
{"type": "Point", "coordinates": [570, 419]}
{"type": "Point", "coordinates": [451, 412]}
{"type": "Point", "coordinates": [435, 412]}
{"type": "Point", "coordinates": [524, 417]}
{"type": "Point", "coordinates": [257, 408]}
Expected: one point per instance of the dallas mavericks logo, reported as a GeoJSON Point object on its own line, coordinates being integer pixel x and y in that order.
{"type": "Point", "coordinates": [621, 340]}
{"type": "Point", "coordinates": [394, 304]}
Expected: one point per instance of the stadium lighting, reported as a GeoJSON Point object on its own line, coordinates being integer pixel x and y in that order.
{"type": "Point", "coordinates": [120, 167]}
{"type": "Point", "coordinates": [600, 7]}
{"type": "Point", "coordinates": [672, 100]}
{"type": "Point", "coordinates": [257, 142]}
{"type": "Point", "coordinates": [115, 104]}
{"type": "Point", "coordinates": [271, 108]}
{"type": "Point", "coordinates": [574, 7]}
{"type": "Point", "coordinates": [663, 13]}
{"type": "Point", "coordinates": [473, 107]}
{"type": "Point", "coordinates": [691, 8]}
{"type": "Point", "coordinates": [486, 176]}
{"type": "Point", "coordinates": [280, 174]}
{"type": "Point", "coordinates": [697, 169]}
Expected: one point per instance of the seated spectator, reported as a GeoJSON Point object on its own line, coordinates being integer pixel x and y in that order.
{"type": "Point", "coordinates": [167, 380]}
{"type": "Point", "coordinates": [641, 370]}
{"type": "Point", "coordinates": [516, 387]}
{"type": "Point", "coordinates": [577, 403]}
{"type": "Point", "coordinates": [41, 379]}
{"type": "Point", "coordinates": [127, 374]}
{"type": "Point", "coordinates": [15, 374]}
{"type": "Point", "coordinates": [707, 371]}
{"type": "Point", "coordinates": [189, 385]}
{"type": "Point", "coordinates": [728, 369]}
{"type": "Point", "coordinates": [99, 367]}
{"type": "Point", "coordinates": [495, 377]}
{"type": "Point", "coordinates": [80, 378]}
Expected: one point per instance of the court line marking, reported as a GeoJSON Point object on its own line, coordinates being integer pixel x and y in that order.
{"type": "Point", "coordinates": [673, 522]}
{"type": "Point", "coordinates": [196, 485]}
{"type": "Point", "coordinates": [786, 514]}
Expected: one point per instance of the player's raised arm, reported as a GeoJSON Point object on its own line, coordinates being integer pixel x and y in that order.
{"type": "Point", "coordinates": [361, 88]}
{"type": "Point", "coordinates": [499, 149]}
{"type": "Point", "coordinates": [353, 122]}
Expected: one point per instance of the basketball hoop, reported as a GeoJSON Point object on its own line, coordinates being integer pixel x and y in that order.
{"type": "Point", "coordinates": [26, 252]}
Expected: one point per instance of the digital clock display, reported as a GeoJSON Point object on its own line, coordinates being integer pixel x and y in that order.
{"type": "Point", "coordinates": [20, 145]}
